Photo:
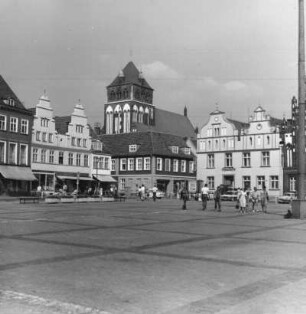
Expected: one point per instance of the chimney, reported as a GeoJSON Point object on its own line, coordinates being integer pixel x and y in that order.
{"type": "Point", "coordinates": [185, 111]}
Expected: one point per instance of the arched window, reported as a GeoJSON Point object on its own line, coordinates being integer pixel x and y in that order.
{"type": "Point", "coordinates": [109, 120]}
{"type": "Point", "coordinates": [112, 95]}
{"type": "Point", "coordinates": [118, 94]}
{"type": "Point", "coordinates": [118, 119]}
{"type": "Point", "coordinates": [125, 93]}
{"type": "Point", "coordinates": [140, 115]}
{"type": "Point", "coordinates": [135, 113]}
{"type": "Point", "coordinates": [126, 118]}
{"type": "Point", "coordinates": [251, 141]}
{"type": "Point", "coordinates": [146, 116]}
{"type": "Point", "coordinates": [268, 140]}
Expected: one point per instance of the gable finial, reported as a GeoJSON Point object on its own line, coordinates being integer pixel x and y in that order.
{"type": "Point", "coordinates": [217, 106]}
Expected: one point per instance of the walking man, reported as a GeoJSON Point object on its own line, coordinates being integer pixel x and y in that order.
{"type": "Point", "coordinates": [264, 197]}
{"type": "Point", "coordinates": [184, 196]}
{"type": "Point", "coordinates": [204, 194]}
{"type": "Point", "coordinates": [217, 197]}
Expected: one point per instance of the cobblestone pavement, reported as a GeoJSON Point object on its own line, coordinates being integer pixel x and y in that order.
{"type": "Point", "coordinates": [145, 257]}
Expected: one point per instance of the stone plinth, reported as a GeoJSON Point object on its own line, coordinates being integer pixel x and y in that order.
{"type": "Point", "coordinates": [299, 209]}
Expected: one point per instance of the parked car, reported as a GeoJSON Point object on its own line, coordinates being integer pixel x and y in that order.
{"type": "Point", "coordinates": [159, 194]}
{"type": "Point", "coordinates": [287, 198]}
{"type": "Point", "coordinates": [229, 196]}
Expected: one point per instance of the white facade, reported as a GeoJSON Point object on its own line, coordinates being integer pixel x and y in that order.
{"type": "Point", "coordinates": [240, 154]}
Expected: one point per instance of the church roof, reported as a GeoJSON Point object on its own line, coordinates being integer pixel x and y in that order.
{"type": "Point", "coordinates": [169, 123]}
{"type": "Point", "coordinates": [149, 143]}
{"type": "Point", "coordinates": [130, 75]}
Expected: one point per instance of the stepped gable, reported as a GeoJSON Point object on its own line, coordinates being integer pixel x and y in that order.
{"type": "Point", "coordinates": [6, 93]}
{"type": "Point", "coordinates": [130, 75]}
{"type": "Point", "coordinates": [61, 124]}
{"type": "Point", "coordinates": [149, 143]}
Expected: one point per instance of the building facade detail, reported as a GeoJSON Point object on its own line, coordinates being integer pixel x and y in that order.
{"type": "Point", "coordinates": [238, 154]}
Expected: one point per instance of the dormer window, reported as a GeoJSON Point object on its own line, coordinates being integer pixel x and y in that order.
{"type": "Point", "coordinates": [11, 102]}
{"type": "Point", "coordinates": [175, 149]}
{"type": "Point", "coordinates": [186, 150]}
{"type": "Point", "coordinates": [133, 148]}
{"type": "Point", "coordinates": [79, 128]}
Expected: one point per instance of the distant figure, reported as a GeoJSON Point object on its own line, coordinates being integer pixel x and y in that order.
{"type": "Point", "coordinates": [288, 215]}
{"type": "Point", "coordinates": [90, 191]}
{"type": "Point", "coordinates": [143, 192]}
{"type": "Point", "coordinates": [154, 191]}
{"type": "Point", "coordinates": [254, 200]}
{"type": "Point", "coordinates": [184, 197]}
{"type": "Point", "coordinates": [39, 190]}
{"type": "Point", "coordinates": [204, 194]}
{"type": "Point", "coordinates": [139, 192]}
{"type": "Point", "coordinates": [65, 188]}
{"type": "Point", "coordinates": [243, 200]}
{"type": "Point", "coordinates": [217, 197]}
{"type": "Point", "coordinates": [264, 198]}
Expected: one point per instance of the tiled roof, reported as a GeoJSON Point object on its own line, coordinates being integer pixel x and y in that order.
{"type": "Point", "coordinates": [238, 124]}
{"type": "Point", "coordinates": [7, 93]}
{"type": "Point", "coordinates": [61, 124]}
{"type": "Point", "coordinates": [149, 143]}
{"type": "Point", "coordinates": [130, 75]}
{"type": "Point", "coordinates": [169, 123]}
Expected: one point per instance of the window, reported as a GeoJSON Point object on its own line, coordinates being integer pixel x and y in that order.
{"type": "Point", "coordinates": [12, 153]}
{"type": "Point", "coordinates": [79, 128]}
{"type": "Point", "coordinates": [191, 166]}
{"type": "Point", "coordinates": [183, 165]}
{"type": "Point", "coordinates": [23, 154]}
{"type": "Point", "coordinates": [246, 182]}
{"type": "Point", "coordinates": [186, 150]}
{"type": "Point", "coordinates": [159, 164]}
{"type": "Point", "coordinates": [38, 136]}
{"type": "Point", "coordinates": [251, 141]}
{"type": "Point", "coordinates": [202, 145]}
{"type": "Point", "coordinates": [265, 159]}
{"type": "Point", "coordinates": [217, 131]}
{"type": "Point", "coordinates": [209, 145]}
{"type": "Point", "coordinates": [216, 144]}
{"type": "Point", "coordinates": [107, 163]}
{"type": "Point", "coordinates": [292, 184]}
{"type": "Point", "coordinates": [138, 163]}
{"type": "Point", "coordinates": [70, 159]}
{"type": "Point", "coordinates": [231, 143]}
{"type": "Point", "coordinates": [50, 138]}
{"type": "Point", "coordinates": [113, 165]}
{"type": "Point", "coordinates": [35, 155]}
{"type": "Point", "coordinates": [44, 136]}
{"type": "Point", "coordinates": [85, 143]}
{"type": "Point", "coordinates": [175, 165]}
{"type": "Point", "coordinates": [209, 132]}
{"type": "Point", "coordinates": [268, 140]}
{"type": "Point", "coordinates": [95, 145]}
{"type": "Point", "coordinates": [211, 161]}
{"type": "Point", "coordinates": [260, 181]}
{"type": "Point", "coordinates": [79, 142]}
{"type": "Point", "coordinates": [123, 164]}
{"type": "Point", "coordinates": [43, 155]}
{"type": "Point", "coordinates": [78, 159]}
{"type": "Point", "coordinates": [2, 152]}
{"type": "Point", "coordinates": [44, 122]}
{"type": "Point", "coordinates": [122, 184]}
{"type": "Point", "coordinates": [147, 163]}
{"type": "Point", "coordinates": [2, 122]}
{"type": "Point", "coordinates": [11, 102]}
{"type": "Point", "coordinates": [168, 164]}
{"type": "Point", "coordinates": [73, 141]}
{"type": "Point", "coordinates": [24, 126]}
{"type": "Point", "coordinates": [51, 157]}
{"type": "Point", "coordinates": [61, 158]}
{"type": "Point", "coordinates": [131, 164]}
{"type": "Point", "coordinates": [246, 159]}
{"type": "Point", "coordinates": [175, 149]}
{"type": "Point", "coordinates": [95, 162]}
{"type": "Point", "coordinates": [223, 131]}
{"type": "Point", "coordinates": [211, 183]}
{"type": "Point", "coordinates": [258, 140]}
{"type": "Point", "coordinates": [14, 124]}
{"type": "Point", "coordinates": [86, 163]}
{"type": "Point", "coordinates": [132, 148]}
{"type": "Point", "coordinates": [274, 182]}
{"type": "Point", "coordinates": [228, 160]}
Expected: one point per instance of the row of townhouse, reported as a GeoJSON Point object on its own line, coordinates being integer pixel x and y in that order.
{"type": "Point", "coordinates": [40, 149]}
{"type": "Point", "coordinates": [238, 154]}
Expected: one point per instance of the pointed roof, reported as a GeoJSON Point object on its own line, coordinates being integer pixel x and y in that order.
{"type": "Point", "coordinates": [7, 93]}
{"type": "Point", "coordinates": [130, 75]}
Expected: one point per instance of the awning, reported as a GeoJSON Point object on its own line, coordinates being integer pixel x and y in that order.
{"type": "Point", "coordinates": [104, 178]}
{"type": "Point", "coordinates": [17, 173]}
{"type": "Point", "coordinates": [74, 178]}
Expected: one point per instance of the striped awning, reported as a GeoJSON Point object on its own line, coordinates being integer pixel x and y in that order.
{"type": "Point", "coordinates": [17, 173]}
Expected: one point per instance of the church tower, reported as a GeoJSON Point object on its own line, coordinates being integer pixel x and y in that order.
{"type": "Point", "coordinates": [129, 102]}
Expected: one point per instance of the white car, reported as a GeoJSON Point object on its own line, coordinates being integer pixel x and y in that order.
{"type": "Point", "coordinates": [159, 194]}
{"type": "Point", "coordinates": [287, 198]}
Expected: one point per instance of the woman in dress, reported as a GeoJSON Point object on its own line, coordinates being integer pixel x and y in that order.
{"type": "Point", "coordinates": [242, 201]}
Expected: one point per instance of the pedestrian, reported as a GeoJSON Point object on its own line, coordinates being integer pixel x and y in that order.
{"type": "Point", "coordinates": [65, 188]}
{"type": "Point", "coordinates": [154, 191]}
{"type": "Point", "coordinates": [39, 191]}
{"type": "Point", "coordinates": [242, 201]}
{"type": "Point", "coordinates": [184, 197]}
{"type": "Point", "coordinates": [143, 192]}
{"type": "Point", "coordinates": [217, 197]}
{"type": "Point", "coordinates": [264, 198]}
{"type": "Point", "coordinates": [254, 200]}
{"type": "Point", "coordinates": [139, 193]}
{"type": "Point", "coordinates": [204, 195]}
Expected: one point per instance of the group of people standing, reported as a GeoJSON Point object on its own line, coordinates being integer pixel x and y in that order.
{"type": "Point", "coordinates": [246, 200]}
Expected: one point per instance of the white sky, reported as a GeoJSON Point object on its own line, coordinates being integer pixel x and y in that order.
{"type": "Point", "coordinates": [237, 53]}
